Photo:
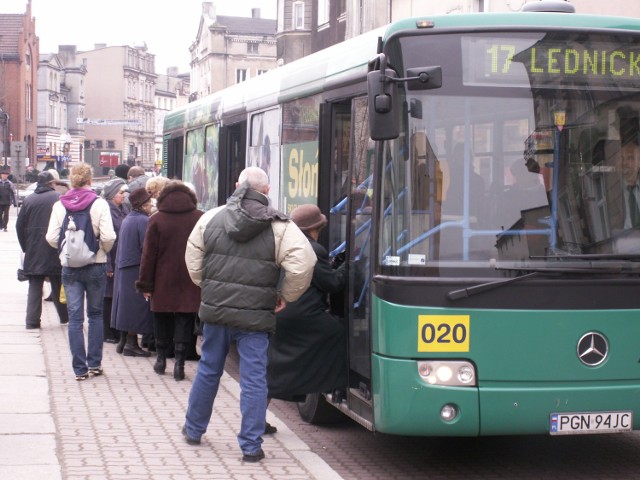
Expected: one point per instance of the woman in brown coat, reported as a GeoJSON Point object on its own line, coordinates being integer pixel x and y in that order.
{"type": "Point", "coordinates": [164, 279]}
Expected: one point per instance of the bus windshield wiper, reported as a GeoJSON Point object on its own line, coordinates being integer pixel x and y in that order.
{"type": "Point", "coordinates": [532, 271]}
{"type": "Point", "coordinates": [484, 287]}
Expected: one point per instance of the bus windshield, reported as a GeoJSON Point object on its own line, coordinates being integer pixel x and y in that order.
{"type": "Point", "coordinates": [526, 156]}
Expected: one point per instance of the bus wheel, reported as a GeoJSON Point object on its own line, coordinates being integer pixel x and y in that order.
{"type": "Point", "coordinates": [317, 411]}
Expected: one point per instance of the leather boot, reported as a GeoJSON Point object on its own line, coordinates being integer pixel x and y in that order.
{"type": "Point", "coordinates": [161, 360]}
{"type": "Point", "coordinates": [132, 349]}
{"type": "Point", "coordinates": [122, 342]}
{"type": "Point", "coordinates": [178, 367]}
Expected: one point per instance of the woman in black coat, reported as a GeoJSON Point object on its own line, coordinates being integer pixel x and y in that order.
{"type": "Point", "coordinates": [164, 278]}
{"type": "Point", "coordinates": [308, 352]}
{"type": "Point", "coordinates": [40, 259]}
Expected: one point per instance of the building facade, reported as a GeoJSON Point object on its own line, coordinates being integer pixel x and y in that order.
{"type": "Point", "coordinates": [307, 26]}
{"type": "Point", "coordinates": [61, 100]}
{"type": "Point", "coordinates": [119, 120]}
{"type": "Point", "coordinates": [19, 53]}
{"type": "Point", "coordinates": [228, 50]}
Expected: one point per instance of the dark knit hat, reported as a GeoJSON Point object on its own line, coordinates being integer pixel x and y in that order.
{"type": "Point", "coordinates": [122, 171]}
{"type": "Point", "coordinates": [139, 197]}
{"type": "Point", "coordinates": [308, 217]}
{"type": "Point", "coordinates": [112, 187]}
{"type": "Point", "coordinates": [44, 178]}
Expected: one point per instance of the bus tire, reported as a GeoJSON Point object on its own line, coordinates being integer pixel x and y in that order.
{"type": "Point", "coordinates": [317, 411]}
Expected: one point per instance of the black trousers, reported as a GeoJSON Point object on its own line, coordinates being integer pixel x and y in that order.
{"type": "Point", "coordinates": [178, 325]}
{"type": "Point", "coordinates": [34, 299]}
{"type": "Point", "coordinates": [4, 216]}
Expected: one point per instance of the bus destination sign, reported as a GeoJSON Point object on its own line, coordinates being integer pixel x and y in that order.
{"type": "Point", "coordinates": [543, 63]}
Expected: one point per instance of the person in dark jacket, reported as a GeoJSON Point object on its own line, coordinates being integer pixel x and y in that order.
{"type": "Point", "coordinates": [40, 259]}
{"type": "Point", "coordinates": [131, 313]}
{"type": "Point", "coordinates": [308, 352]}
{"type": "Point", "coordinates": [164, 279]}
{"type": "Point", "coordinates": [115, 192]}
{"type": "Point", "coordinates": [8, 197]}
{"type": "Point", "coordinates": [236, 253]}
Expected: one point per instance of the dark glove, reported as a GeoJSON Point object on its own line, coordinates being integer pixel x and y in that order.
{"type": "Point", "coordinates": [338, 260]}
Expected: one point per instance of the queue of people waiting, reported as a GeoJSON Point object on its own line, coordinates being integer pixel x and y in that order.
{"type": "Point", "coordinates": [143, 295]}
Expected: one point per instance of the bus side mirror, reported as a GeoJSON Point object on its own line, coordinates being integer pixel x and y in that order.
{"type": "Point", "coordinates": [384, 111]}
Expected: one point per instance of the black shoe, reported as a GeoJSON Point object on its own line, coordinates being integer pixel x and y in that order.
{"type": "Point", "coordinates": [64, 322]}
{"type": "Point", "coordinates": [134, 351]}
{"type": "Point", "coordinates": [269, 429]}
{"type": "Point", "coordinates": [96, 371]}
{"type": "Point", "coordinates": [49, 298]}
{"type": "Point", "coordinates": [110, 340]}
{"type": "Point", "coordinates": [178, 372]}
{"type": "Point", "coordinates": [253, 457]}
{"type": "Point", "coordinates": [187, 438]}
{"type": "Point", "coordinates": [33, 327]}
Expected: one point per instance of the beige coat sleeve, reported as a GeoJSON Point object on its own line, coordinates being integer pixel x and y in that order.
{"type": "Point", "coordinates": [296, 257]}
{"type": "Point", "coordinates": [103, 228]}
{"type": "Point", "coordinates": [194, 254]}
{"type": "Point", "coordinates": [55, 224]}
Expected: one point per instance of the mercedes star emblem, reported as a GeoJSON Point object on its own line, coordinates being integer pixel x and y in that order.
{"type": "Point", "coordinates": [593, 349]}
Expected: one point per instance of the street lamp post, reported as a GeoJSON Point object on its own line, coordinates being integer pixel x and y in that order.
{"type": "Point", "coordinates": [93, 158]}
{"type": "Point", "coordinates": [4, 118]}
{"type": "Point", "coordinates": [18, 166]}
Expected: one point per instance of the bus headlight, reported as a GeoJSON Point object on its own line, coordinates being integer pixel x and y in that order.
{"type": "Point", "coordinates": [452, 373]}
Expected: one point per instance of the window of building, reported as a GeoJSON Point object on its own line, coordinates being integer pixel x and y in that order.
{"type": "Point", "coordinates": [260, 71]}
{"type": "Point", "coordinates": [323, 12]}
{"type": "Point", "coordinates": [241, 75]}
{"type": "Point", "coordinates": [28, 106]}
{"type": "Point", "coordinates": [99, 144]}
{"type": "Point", "coordinates": [111, 144]}
{"type": "Point", "coordinates": [252, 47]}
{"type": "Point", "coordinates": [298, 16]}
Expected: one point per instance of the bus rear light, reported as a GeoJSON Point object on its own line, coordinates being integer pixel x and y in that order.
{"type": "Point", "coordinates": [455, 373]}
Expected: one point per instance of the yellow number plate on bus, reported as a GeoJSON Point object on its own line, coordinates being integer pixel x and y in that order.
{"type": "Point", "coordinates": [443, 333]}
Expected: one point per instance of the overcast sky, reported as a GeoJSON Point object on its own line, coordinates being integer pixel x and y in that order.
{"type": "Point", "coordinates": [168, 27]}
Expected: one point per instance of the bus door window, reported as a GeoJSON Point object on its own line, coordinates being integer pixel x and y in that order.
{"type": "Point", "coordinates": [175, 157]}
{"type": "Point", "coordinates": [232, 159]}
{"type": "Point", "coordinates": [361, 153]}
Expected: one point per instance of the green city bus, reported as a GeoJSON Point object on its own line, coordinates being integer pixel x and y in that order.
{"type": "Point", "coordinates": [472, 172]}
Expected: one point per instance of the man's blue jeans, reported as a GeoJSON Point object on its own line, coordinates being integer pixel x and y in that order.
{"type": "Point", "coordinates": [89, 282]}
{"type": "Point", "coordinates": [252, 349]}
